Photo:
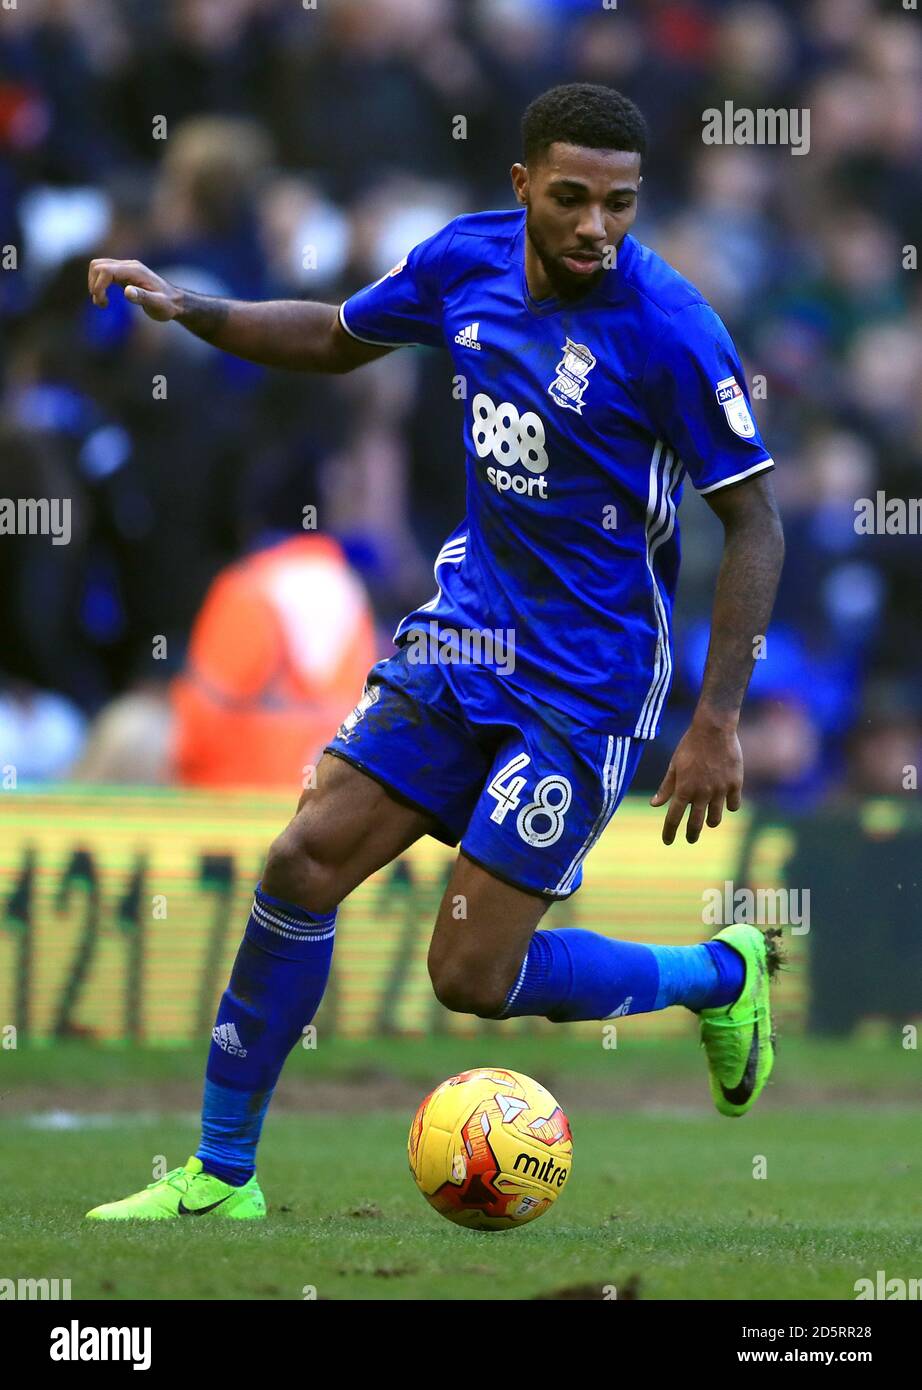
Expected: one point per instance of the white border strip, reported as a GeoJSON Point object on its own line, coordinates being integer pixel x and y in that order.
{"type": "Point", "coordinates": [738, 477]}
{"type": "Point", "coordinates": [661, 516]}
{"type": "Point", "coordinates": [372, 342]}
{"type": "Point", "coordinates": [616, 755]}
{"type": "Point", "coordinates": [518, 986]}
{"type": "Point", "coordinates": [268, 922]}
{"type": "Point", "coordinates": [452, 553]}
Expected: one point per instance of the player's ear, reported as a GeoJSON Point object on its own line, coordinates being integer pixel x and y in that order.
{"type": "Point", "coordinates": [519, 175]}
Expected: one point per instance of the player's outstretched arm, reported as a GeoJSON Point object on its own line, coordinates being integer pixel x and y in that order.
{"type": "Point", "coordinates": [706, 771]}
{"type": "Point", "coordinates": [292, 333]}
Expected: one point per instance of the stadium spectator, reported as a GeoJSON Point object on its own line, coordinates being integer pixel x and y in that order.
{"type": "Point", "coordinates": [278, 656]}
{"type": "Point", "coordinates": [305, 151]}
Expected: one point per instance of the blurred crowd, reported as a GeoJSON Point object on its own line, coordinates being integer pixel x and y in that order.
{"type": "Point", "coordinates": [272, 148]}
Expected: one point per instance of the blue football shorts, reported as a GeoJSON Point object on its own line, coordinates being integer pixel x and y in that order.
{"type": "Point", "coordinates": [525, 790]}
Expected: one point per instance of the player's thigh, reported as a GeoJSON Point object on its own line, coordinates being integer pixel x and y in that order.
{"type": "Point", "coordinates": [345, 828]}
{"type": "Point", "coordinates": [480, 939]}
{"type": "Point", "coordinates": [410, 733]}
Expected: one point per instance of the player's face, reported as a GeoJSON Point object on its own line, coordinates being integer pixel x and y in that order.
{"type": "Point", "coordinates": [580, 203]}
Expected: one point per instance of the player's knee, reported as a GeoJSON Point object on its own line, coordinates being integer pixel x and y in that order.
{"type": "Point", "coordinates": [468, 991]}
{"type": "Point", "coordinates": [293, 874]}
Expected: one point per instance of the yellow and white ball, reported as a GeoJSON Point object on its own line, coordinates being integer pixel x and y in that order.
{"type": "Point", "coordinates": [490, 1149]}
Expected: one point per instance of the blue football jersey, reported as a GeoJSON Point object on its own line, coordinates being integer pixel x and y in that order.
{"type": "Point", "coordinates": [581, 421]}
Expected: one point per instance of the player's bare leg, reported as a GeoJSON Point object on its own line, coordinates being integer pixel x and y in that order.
{"type": "Point", "coordinates": [344, 829]}
{"type": "Point", "coordinates": [481, 936]}
{"type": "Point", "coordinates": [489, 958]}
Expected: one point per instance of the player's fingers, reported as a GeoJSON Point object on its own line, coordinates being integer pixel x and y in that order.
{"type": "Point", "coordinates": [695, 822]}
{"type": "Point", "coordinates": [101, 265]}
{"type": "Point", "coordinates": [715, 812]}
{"type": "Point", "coordinates": [734, 799]}
{"type": "Point", "coordinates": [673, 819]}
{"type": "Point", "coordinates": [666, 788]}
{"type": "Point", "coordinates": [104, 271]}
{"type": "Point", "coordinates": [99, 280]}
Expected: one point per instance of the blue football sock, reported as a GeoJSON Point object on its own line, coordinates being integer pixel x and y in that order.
{"type": "Point", "coordinates": [275, 989]}
{"type": "Point", "coordinates": [570, 974]}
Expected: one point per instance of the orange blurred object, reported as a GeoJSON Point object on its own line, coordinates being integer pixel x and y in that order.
{"type": "Point", "coordinates": [277, 658]}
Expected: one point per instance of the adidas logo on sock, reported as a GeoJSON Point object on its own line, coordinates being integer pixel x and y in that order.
{"type": "Point", "coordinates": [226, 1036]}
{"type": "Point", "coordinates": [468, 336]}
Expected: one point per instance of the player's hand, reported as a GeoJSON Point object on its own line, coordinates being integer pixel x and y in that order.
{"type": "Point", "coordinates": [705, 774]}
{"type": "Point", "coordinates": [159, 299]}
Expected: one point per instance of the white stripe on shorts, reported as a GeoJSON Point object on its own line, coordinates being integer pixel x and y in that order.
{"type": "Point", "coordinates": [613, 772]}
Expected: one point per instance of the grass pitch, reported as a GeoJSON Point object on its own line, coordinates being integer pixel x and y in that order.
{"type": "Point", "coordinates": [662, 1203]}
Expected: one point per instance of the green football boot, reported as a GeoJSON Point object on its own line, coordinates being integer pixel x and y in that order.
{"type": "Point", "coordinates": [738, 1038]}
{"type": "Point", "coordinates": [187, 1191]}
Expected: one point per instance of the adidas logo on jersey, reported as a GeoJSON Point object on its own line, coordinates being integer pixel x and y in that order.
{"type": "Point", "coordinates": [227, 1037]}
{"type": "Point", "coordinates": [468, 337]}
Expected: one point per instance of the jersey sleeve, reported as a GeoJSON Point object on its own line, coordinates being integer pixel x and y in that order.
{"type": "Point", "coordinates": [695, 393]}
{"type": "Point", "coordinates": [405, 305]}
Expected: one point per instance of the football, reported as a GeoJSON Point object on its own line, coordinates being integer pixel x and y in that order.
{"type": "Point", "coordinates": [490, 1149]}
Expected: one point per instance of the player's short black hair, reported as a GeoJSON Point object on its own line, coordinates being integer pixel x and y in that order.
{"type": "Point", "coordinates": [581, 113]}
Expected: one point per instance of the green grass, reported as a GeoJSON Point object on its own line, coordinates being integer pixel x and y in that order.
{"type": "Point", "coordinates": [874, 1065]}
{"type": "Point", "coordinates": [667, 1201]}
{"type": "Point", "coordinates": [663, 1199]}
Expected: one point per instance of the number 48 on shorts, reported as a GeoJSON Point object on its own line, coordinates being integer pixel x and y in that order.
{"type": "Point", "coordinates": [541, 821]}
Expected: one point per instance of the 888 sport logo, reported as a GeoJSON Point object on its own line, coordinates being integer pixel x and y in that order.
{"type": "Point", "coordinates": [502, 433]}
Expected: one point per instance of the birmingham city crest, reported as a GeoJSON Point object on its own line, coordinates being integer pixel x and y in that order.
{"type": "Point", "coordinates": [569, 385]}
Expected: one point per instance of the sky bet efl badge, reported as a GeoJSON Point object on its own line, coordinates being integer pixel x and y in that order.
{"type": "Point", "coordinates": [730, 395]}
{"type": "Point", "coordinates": [570, 383]}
